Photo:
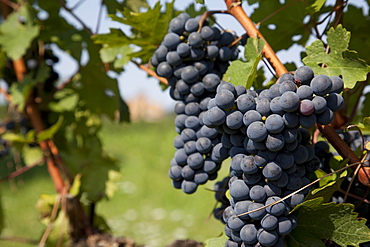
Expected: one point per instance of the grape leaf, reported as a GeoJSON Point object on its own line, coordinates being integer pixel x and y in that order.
{"type": "Point", "coordinates": [16, 36]}
{"type": "Point", "coordinates": [359, 26]}
{"type": "Point", "coordinates": [116, 54]}
{"type": "Point", "coordinates": [199, 1]}
{"type": "Point", "coordinates": [94, 87]}
{"type": "Point", "coordinates": [148, 29]}
{"type": "Point", "coordinates": [244, 73]}
{"type": "Point", "coordinates": [328, 185]}
{"type": "Point", "coordinates": [336, 222]}
{"type": "Point", "coordinates": [281, 26]}
{"type": "Point", "coordinates": [31, 154]}
{"type": "Point", "coordinates": [216, 242]}
{"type": "Point", "coordinates": [314, 5]}
{"type": "Point", "coordinates": [339, 61]}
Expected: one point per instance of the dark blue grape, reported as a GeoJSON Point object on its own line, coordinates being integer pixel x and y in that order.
{"type": "Point", "coordinates": [226, 39]}
{"type": "Point", "coordinates": [171, 40]}
{"type": "Point", "coordinates": [257, 131]}
{"type": "Point", "coordinates": [304, 75]}
{"type": "Point", "coordinates": [175, 172]}
{"type": "Point", "coordinates": [178, 142]}
{"type": "Point", "coordinates": [195, 160]}
{"type": "Point", "coordinates": [307, 107]}
{"type": "Point", "coordinates": [245, 103]}
{"type": "Point", "coordinates": [195, 40]}
{"type": "Point", "coordinates": [319, 104]}
{"type": "Point", "coordinates": [200, 177]}
{"type": "Point", "coordinates": [190, 147]}
{"type": "Point", "coordinates": [305, 92]}
{"type": "Point", "coordinates": [164, 69]}
{"type": "Point", "coordinates": [191, 25]}
{"type": "Point", "coordinates": [274, 123]}
{"type": "Point", "coordinates": [225, 53]}
{"type": "Point", "coordinates": [321, 85]}
{"type": "Point", "coordinates": [177, 25]}
{"type": "Point", "coordinates": [192, 109]}
{"type": "Point", "coordinates": [263, 106]}
{"type": "Point", "coordinates": [247, 165]}
{"type": "Point", "coordinates": [215, 116]}
{"type": "Point", "coordinates": [249, 234]}
{"type": "Point", "coordinates": [239, 190]}
{"type": "Point", "coordinates": [337, 84]}
{"type": "Point", "coordinates": [274, 142]}
{"type": "Point", "coordinates": [269, 222]}
{"type": "Point", "coordinates": [225, 99]}
{"type": "Point", "coordinates": [291, 119]}
{"type": "Point", "coordinates": [234, 120]}
{"type": "Point", "coordinates": [300, 154]}
{"type": "Point", "coordinates": [257, 193]}
{"type": "Point", "coordinates": [183, 49]}
{"type": "Point", "coordinates": [272, 171]}
{"type": "Point", "coordinates": [189, 187]}
{"type": "Point", "coordinates": [211, 81]}
{"type": "Point", "coordinates": [173, 58]}
{"type": "Point", "coordinates": [326, 117]}
{"type": "Point", "coordinates": [251, 116]}
{"type": "Point", "coordinates": [334, 101]}
{"type": "Point", "coordinates": [307, 121]}
{"type": "Point", "coordinates": [287, 86]}
{"type": "Point", "coordinates": [267, 238]}
{"type": "Point", "coordinates": [187, 172]}
{"type": "Point", "coordinates": [203, 145]}
{"type": "Point", "coordinates": [276, 209]}
{"type": "Point", "coordinates": [289, 101]}
{"type": "Point", "coordinates": [259, 214]}
{"type": "Point", "coordinates": [275, 106]}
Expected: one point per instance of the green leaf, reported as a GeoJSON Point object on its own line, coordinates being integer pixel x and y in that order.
{"type": "Point", "coordinates": [365, 125]}
{"type": "Point", "coordinates": [76, 185]}
{"type": "Point", "coordinates": [66, 99]}
{"type": "Point", "coordinates": [216, 242]}
{"type": "Point", "coordinates": [281, 26]}
{"type": "Point", "coordinates": [199, 1]}
{"type": "Point", "coordinates": [2, 62]}
{"type": "Point", "coordinates": [245, 73]}
{"type": "Point", "coordinates": [20, 91]}
{"type": "Point", "coordinates": [314, 6]}
{"type": "Point", "coordinates": [148, 29]}
{"type": "Point", "coordinates": [31, 154]}
{"type": "Point", "coordinates": [50, 132]}
{"type": "Point", "coordinates": [15, 137]}
{"type": "Point", "coordinates": [340, 61]}
{"type": "Point", "coordinates": [336, 222]}
{"type": "Point", "coordinates": [328, 185]}
{"type": "Point", "coordinates": [117, 54]}
{"type": "Point", "coordinates": [15, 36]}
{"type": "Point", "coordinates": [94, 86]}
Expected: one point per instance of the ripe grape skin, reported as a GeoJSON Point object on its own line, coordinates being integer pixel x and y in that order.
{"type": "Point", "coordinates": [203, 145]}
{"type": "Point", "coordinates": [259, 214]}
{"type": "Point", "coordinates": [319, 104]}
{"type": "Point", "coordinates": [276, 209]}
{"type": "Point", "coordinates": [291, 119]}
{"type": "Point", "coordinates": [275, 106]}
{"type": "Point", "coordinates": [249, 234]}
{"type": "Point", "coordinates": [334, 101]}
{"type": "Point", "coordinates": [239, 190]}
{"type": "Point", "coordinates": [177, 25]}
{"type": "Point", "coordinates": [171, 40]}
{"type": "Point", "coordinates": [207, 33]}
{"type": "Point", "coordinates": [175, 172]}
{"type": "Point", "coordinates": [189, 187]}
{"type": "Point", "coordinates": [189, 74]}
{"type": "Point", "coordinates": [164, 69]}
{"type": "Point", "coordinates": [257, 193]}
{"type": "Point", "coordinates": [337, 84]}
{"type": "Point", "coordinates": [307, 121]}
{"type": "Point", "coordinates": [183, 49]}
{"type": "Point", "coordinates": [300, 154]}
{"type": "Point", "coordinates": [187, 172]}
{"type": "Point", "coordinates": [321, 85]}
{"type": "Point", "coordinates": [304, 74]}
{"type": "Point", "coordinates": [263, 106]}
{"type": "Point", "coordinates": [274, 123]}
{"type": "Point", "coordinates": [287, 86]}
{"type": "Point", "coordinates": [195, 40]}
{"type": "Point", "coordinates": [257, 131]}
{"type": "Point", "coordinates": [234, 120]}
{"type": "Point", "coordinates": [304, 92]}
{"type": "Point", "coordinates": [173, 58]}
{"type": "Point", "coordinates": [190, 147]}
{"type": "Point", "coordinates": [251, 116]}
{"type": "Point", "coordinates": [247, 165]}
{"type": "Point", "coordinates": [274, 142]}
{"type": "Point", "coordinates": [326, 117]}
{"type": "Point", "coordinates": [225, 99]}
{"type": "Point", "coordinates": [269, 222]}
{"type": "Point", "coordinates": [211, 81]}
{"type": "Point", "coordinates": [267, 238]}
{"type": "Point", "coordinates": [285, 159]}
{"type": "Point", "coordinates": [272, 171]}
{"type": "Point", "coordinates": [216, 116]}
{"type": "Point", "coordinates": [191, 25]}
{"type": "Point", "coordinates": [286, 77]}
{"type": "Point", "coordinates": [289, 101]}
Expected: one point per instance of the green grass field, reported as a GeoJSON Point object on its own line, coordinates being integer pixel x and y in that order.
{"type": "Point", "coordinates": [145, 207]}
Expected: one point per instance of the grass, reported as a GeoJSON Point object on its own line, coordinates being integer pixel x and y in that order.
{"type": "Point", "coordinates": [145, 207]}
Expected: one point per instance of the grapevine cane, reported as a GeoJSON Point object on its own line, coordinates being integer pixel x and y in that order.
{"type": "Point", "coordinates": [328, 131]}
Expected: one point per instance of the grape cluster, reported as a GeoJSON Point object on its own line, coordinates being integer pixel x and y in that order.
{"type": "Point", "coordinates": [193, 59]}
{"type": "Point", "coordinates": [271, 154]}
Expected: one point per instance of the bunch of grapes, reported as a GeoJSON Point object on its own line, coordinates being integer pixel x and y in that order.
{"type": "Point", "coordinates": [193, 59]}
{"type": "Point", "coordinates": [271, 155]}
{"type": "Point", "coordinates": [220, 189]}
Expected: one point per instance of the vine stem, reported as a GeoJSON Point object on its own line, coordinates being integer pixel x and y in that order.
{"type": "Point", "coordinates": [327, 131]}
{"type": "Point", "coordinates": [237, 11]}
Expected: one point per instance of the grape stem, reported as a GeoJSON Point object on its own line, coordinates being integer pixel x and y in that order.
{"type": "Point", "coordinates": [208, 14]}
{"type": "Point", "coordinates": [326, 130]}
{"type": "Point", "coordinates": [150, 72]}
{"type": "Point", "coordinates": [237, 11]}
{"type": "Point", "coordinates": [299, 190]}
{"type": "Point", "coordinates": [22, 170]}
